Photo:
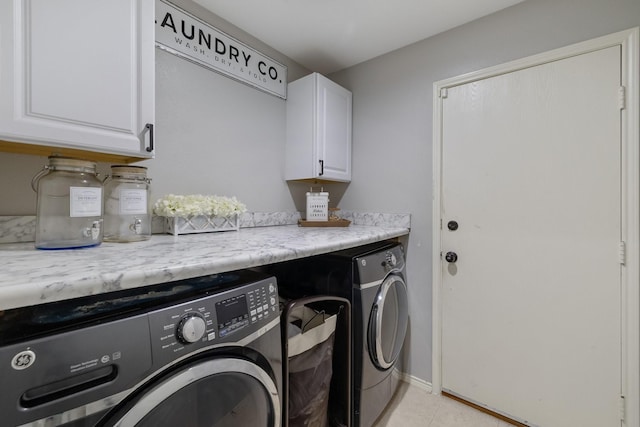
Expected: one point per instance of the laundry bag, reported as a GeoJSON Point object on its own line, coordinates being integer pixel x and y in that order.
{"type": "Point", "coordinates": [310, 357]}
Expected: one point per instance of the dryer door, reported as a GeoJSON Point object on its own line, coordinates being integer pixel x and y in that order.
{"type": "Point", "coordinates": [225, 392]}
{"type": "Point", "coordinates": [388, 322]}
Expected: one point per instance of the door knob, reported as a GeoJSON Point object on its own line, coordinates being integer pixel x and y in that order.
{"type": "Point", "coordinates": [452, 225]}
{"type": "Point", "coordinates": [451, 257]}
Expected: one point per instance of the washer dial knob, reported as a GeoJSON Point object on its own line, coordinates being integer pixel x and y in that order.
{"type": "Point", "coordinates": [191, 328]}
{"type": "Point", "coordinates": [391, 259]}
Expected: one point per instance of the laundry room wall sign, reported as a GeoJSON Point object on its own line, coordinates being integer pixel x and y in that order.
{"type": "Point", "coordinates": [184, 35]}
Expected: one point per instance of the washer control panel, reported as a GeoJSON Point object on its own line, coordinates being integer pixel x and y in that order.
{"type": "Point", "coordinates": [262, 302]}
{"type": "Point", "coordinates": [225, 317]}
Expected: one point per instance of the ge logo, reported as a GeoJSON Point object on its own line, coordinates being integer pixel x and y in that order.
{"type": "Point", "coordinates": [23, 360]}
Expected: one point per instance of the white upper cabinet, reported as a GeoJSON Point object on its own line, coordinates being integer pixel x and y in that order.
{"type": "Point", "coordinates": [318, 130]}
{"type": "Point", "coordinates": [79, 75]}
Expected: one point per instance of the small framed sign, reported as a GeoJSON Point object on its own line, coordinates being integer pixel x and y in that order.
{"type": "Point", "coordinates": [184, 35]}
{"type": "Point", "coordinates": [318, 206]}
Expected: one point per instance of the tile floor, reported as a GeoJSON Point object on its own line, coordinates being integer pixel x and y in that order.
{"type": "Point", "coordinates": [415, 407]}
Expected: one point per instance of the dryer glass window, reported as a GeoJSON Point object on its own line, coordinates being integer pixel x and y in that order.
{"type": "Point", "coordinates": [388, 324]}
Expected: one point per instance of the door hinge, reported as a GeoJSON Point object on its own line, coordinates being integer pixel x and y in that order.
{"type": "Point", "coordinates": [622, 97]}
{"type": "Point", "coordinates": [622, 408]}
{"type": "Point", "coordinates": [622, 253]}
{"type": "Point", "coordinates": [444, 92]}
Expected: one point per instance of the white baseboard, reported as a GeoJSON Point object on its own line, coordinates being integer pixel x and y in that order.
{"type": "Point", "coordinates": [414, 381]}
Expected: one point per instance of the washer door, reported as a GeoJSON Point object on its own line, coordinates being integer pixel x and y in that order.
{"type": "Point", "coordinates": [222, 392]}
{"type": "Point", "coordinates": [388, 322]}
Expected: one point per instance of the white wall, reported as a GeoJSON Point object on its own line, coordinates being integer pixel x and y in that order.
{"type": "Point", "coordinates": [392, 120]}
{"type": "Point", "coordinates": [216, 136]}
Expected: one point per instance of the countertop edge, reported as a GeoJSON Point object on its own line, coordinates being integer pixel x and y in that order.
{"type": "Point", "coordinates": [36, 277]}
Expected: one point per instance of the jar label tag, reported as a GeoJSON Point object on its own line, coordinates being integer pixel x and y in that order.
{"type": "Point", "coordinates": [85, 201]}
{"type": "Point", "coordinates": [133, 202]}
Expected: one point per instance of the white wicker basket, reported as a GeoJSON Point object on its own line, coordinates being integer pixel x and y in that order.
{"type": "Point", "coordinates": [201, 224]}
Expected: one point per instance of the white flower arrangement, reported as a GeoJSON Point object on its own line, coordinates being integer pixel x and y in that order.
{"type": "Point", "coordinates": [196, 204]}
{"type": "Point", "coordinates": [196, 213]}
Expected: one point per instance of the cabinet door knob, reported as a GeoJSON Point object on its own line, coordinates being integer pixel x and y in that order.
{"type": "Point", "coordinates": [149, 127]}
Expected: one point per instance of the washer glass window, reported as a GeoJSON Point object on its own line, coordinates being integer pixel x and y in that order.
{"type": "Point", "coordinates": [240, 394]}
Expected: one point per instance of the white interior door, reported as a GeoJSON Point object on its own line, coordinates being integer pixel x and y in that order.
{"type": "Point", "coordinates": [531, 309]}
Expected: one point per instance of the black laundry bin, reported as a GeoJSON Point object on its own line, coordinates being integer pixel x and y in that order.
{"type": "Point", "coordinates": [316, 362]}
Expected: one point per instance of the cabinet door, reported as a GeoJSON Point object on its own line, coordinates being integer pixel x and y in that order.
{"type": "Point", "coordinates": [333, 139]}
{"type": "Point", "coordinates": [78, 74]}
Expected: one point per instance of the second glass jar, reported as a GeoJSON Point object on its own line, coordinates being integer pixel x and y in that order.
{"type": "Point", "coordinates": [127, 209]}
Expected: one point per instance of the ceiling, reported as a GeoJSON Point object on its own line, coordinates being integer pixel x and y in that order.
{"type": "Point", "coordinates": [330, 35]}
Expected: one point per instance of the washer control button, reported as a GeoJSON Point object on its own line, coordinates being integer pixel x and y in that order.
{"type": "Point", "coordinates": [191, 328]}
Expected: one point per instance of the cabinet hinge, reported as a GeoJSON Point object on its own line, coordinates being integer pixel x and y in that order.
{"type": "Point", "coordinates": [622, 408]}
{"type": "Point", "coordinates": [622, 97]}
{"type": "Point", "coordinates": [444, 92]}
{"type": "Point", "coordinates": [622, 253]}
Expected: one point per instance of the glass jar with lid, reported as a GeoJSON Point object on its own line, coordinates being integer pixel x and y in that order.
{"type": "Point", "coordinates": [127, 210]}
{"type": "Point", "coordinates": [69, 204]}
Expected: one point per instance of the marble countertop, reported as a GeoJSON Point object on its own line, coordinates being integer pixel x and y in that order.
{"type": "Point", "coordinates": [29, 276]}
